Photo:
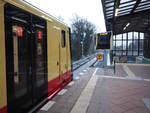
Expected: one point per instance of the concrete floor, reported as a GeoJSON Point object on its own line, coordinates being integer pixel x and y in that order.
{"type": "Point", "coordinates": [99, 90]}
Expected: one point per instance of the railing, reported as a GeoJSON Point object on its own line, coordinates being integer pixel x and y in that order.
{"type": "Point", "coordinates": [80, 62]}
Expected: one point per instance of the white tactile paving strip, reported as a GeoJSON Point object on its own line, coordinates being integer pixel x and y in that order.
{"type": "Point", "coordinates": [124, 78]}
{"type": "Point", "coordinates": [104, 76]}
{"type": "Point", "coordinates": [128, 71]}
{"type": "Point", "coordinates": [131, 75]}
{"type": "Point", "coordinates": [138, 64]}
{"type": "Point", "coordinates": [147, 102]}
{"type": "Point", "coordinates": [81, 73]}
{"type": "Point", "coordinates": [77, 78]}
{"type": "Point", "coordinates": [47, 106]}
{"type": "Point", "coordinates": [63, 91]}
{"type": "Point", "coordinates": [83, 101]}
{"type": "Point", "coordinates": [133, 64]}
{"type": "Point", "coordinates": [147, 80]}
{"type": "Point", "coordinates": [71, 83]}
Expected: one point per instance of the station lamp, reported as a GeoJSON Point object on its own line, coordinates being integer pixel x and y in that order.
{"type": "Point", "coordinates": [116, 12]}
{"type": "Point", "coordinates": [126, 26]}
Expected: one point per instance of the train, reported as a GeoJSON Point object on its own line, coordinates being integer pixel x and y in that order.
{"type": "Point", "coordinates": [104, 48]}
{"type": "Point", "coordinates": [35, 56]}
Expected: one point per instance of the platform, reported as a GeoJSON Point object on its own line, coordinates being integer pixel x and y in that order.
{"type": "Point", "coordinates": [99, 90]}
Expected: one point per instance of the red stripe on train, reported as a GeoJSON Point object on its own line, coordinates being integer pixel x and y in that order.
{"type": "Point", "coordinates": [55, 85]}
{"type": "Point", "coordinates": [3, 110]}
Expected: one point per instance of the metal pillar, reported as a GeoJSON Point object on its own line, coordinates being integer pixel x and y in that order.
{"type": "Point", "coordinates": [132, 42]}
{"type": "Point", "coordinates": [127, 45]}
{"type": "Point", "coordinates": [138, 43]}
{"type": "Point", "coordinates": [122, 44]}
{"type": "Point", "coordinates": [115, 45]}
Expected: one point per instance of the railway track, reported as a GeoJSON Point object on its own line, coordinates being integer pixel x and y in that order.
{"type": "Point", "coordinates": [79, 63]}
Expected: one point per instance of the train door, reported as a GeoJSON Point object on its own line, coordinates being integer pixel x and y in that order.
{"type": "Point", "coordinates": [54, 51]}
{"type": "Point", "coordinates": [58, 53]}
{"type": "Point", "coordinates": [19, 88]}
{"type": "Point", "coordinates": [60, 62]}
{"type": "Point", "coordinates": [67, 53]}
{"type": "Point", "coordinates": [63, 53]}
{"type": "Point", "coordinates": [25, 66]}
{"type": "Point", "coordinates": [39, 59]}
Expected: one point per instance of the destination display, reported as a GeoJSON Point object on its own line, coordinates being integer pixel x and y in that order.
{"type": "Point", "coordinates": [103, 40]}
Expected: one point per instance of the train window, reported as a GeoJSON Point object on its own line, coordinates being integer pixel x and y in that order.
{"type": "Point", "coordinates": [63, 38]}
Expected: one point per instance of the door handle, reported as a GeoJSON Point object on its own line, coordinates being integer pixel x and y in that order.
{"type": "Point", "coordinates": [57, 63]}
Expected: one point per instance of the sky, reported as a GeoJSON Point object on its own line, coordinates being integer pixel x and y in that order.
{"type": "Point", "coordinates": [67, 9]}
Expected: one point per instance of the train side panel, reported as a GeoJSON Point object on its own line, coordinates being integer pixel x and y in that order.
{"type": "Point", "coordinates": [68, 55]}
{"type": "Point", "coordinates": [58, 61]}
{"type": "Point", "coordinates": [53, 59]}
{"type": "Point", "coordinates": [3, 92]}
{"type": "Point", "coordinates": [65, 57]}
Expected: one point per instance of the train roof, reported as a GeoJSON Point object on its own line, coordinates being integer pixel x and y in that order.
{"type": "Point", "coordinates": [34, 10]}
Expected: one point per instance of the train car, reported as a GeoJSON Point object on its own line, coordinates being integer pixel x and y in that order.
{"type": "Point", "coordinates": [35, 60]}
{"type": "Point", "coordinates": [104, 47]}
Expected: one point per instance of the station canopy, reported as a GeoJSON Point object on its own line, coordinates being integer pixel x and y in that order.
{"type": "Point", "coordinates": [126, 15]}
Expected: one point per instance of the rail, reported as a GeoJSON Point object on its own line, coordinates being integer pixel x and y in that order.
{"type": "Point", "coordinates": [81, 62]}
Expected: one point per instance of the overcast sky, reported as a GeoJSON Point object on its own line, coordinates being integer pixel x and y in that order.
{"type": "Point", "coordinates": [89, 9]}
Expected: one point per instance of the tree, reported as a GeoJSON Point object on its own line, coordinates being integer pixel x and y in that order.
{"type": "Point", "coordinates": [82, 33]}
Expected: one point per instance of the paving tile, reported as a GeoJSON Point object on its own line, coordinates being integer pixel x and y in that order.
{"type": "Point", "coordinates": [41, 111]}
{"type": "Point", "coordinates": [93, 108]}
{"type": "Point", "coordinates": [117, 109]}
{"type": "Point", "coordinates": [57, 97]}
{"type": "Point", "coordinates": [110, 95]}
{"type": "Point", "coordinates": [66, 101]}
{"type": "Point", "coordinates": [47, 106]}
{"type": "Point", "coordinates": [126, 99]}
{"type": "Point", "coordinates": [110, 72]}
{"type": "Point", "coordinates": [130, 111]}
{"type": "Point", "coordinates": [147, 102]}
{"type": "Point", "coordinates": [96, 99]}
{"type": "Point", "coordinates": [59, 109]}
{"type": "Point", "coordinates": [79, 110]}
{"type": "Point", "coordinates": [140, 71]}
{"type": "Point", "coordinates": [141, 110]}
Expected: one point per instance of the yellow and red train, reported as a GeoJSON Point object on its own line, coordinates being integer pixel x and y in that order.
{"type": "Point", "coordinates": [35, 60]}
